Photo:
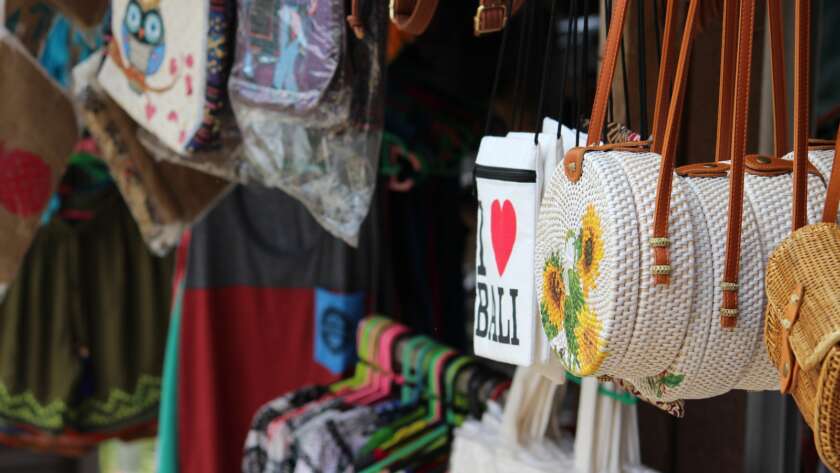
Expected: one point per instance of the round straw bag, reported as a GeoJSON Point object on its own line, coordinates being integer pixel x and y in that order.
{"type": "Point", "coordinates": [802, 330]}
{"type": "Point", "coordinates": [592, 271]}
{"type": "Point", "coordinates": [669, 327]}
{"type": "Point", "coordinates": [714, 358]}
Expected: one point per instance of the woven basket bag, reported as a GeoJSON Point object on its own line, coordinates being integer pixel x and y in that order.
{"type": "Point", "coordinates": [802, 331]}
{"type": "Point", "coordinates": [606, 309]}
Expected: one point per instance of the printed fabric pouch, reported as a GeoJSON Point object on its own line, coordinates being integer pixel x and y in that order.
{"type": "Point", "coordinates": [291, 57]}
{"type": "Point", "coordinates": [508, 176]}
{"type": "Point", "coordinates": [328, 160]}
{"type": "Point", "coordinates": [167, 66]}
{"type": "Point", "coordinates": [38, 130]}
{"type": "Point", "coordinates": [164, 198]}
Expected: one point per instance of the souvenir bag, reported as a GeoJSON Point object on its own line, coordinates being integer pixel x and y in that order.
{"type": "Point", "coordinates": [308, 100]}
{"type": "Point", "coordinates": [164, 198]}
{"type": "Point", "coordinates": [640, 253]}
{"type": "Point", "coordinates": [167, 67]}
{"type": "Point", "coordinates": [802, 328]}
{"type": "Point", "coordinates": [37, 133]}
{"type": "Point", "coordinates": [291, 57]}
{"type": "Point", "coordinates": [509, 175]}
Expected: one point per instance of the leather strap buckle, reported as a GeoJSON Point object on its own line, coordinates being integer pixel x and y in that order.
{"type": "Point", "coordinates": [787, 364]}
{"type": "Point", "coordinates": [490, 18]}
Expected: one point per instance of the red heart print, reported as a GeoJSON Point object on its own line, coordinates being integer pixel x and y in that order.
{"type": "Point", "coordinates": [502, 232]}
{"type": "Point", "coordinates": [173, 116]}
{"type": "Point", "coordinates": [25, 182]}
{"type": "Point", "coordinates": [150, 111]}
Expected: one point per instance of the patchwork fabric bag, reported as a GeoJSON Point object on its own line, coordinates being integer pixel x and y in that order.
{"type": "Point", "coordinates": [648, 285]}
{"type": "Point", "coordinates": [167, 67]}
{"type": "Point", "coordinates": [308, 99]}
{"type": "Point", "coordinates": [38, 131]}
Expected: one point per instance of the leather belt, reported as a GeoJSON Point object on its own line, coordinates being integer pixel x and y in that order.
{"type": "Point", "coordinates": [414, 16]}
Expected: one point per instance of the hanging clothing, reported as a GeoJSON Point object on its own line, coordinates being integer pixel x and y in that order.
{"type": "Point", "coordinates": [257, 264]}
{"type": "Point", "coordinates": [83, 325]}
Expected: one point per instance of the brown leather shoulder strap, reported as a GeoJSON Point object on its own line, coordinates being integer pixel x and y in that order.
{"type": "Point", "coordinates": [746, 29]}
{"type": "Point", "coordinates": [662, 209]}
{"type": "Point", "coordinates": [832, 196]}
{"type": "Point", "coordinates": [605, 77]}
{"type": "Point", "coordinates": [666, 73]}
{"type": "Point", "coordinates": [777, 58]}
{"type": "Point", "coordinates": [801, 88]}
{"type": "Point", "coordinates": [412, 16]}
{"type": "Point", "coordinates": [726, 96]}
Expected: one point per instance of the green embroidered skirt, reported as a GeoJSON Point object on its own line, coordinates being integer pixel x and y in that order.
{"type": "Point", "coordinates": [83, 327]}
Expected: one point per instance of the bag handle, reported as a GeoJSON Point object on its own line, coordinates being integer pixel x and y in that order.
{"type": "Point", "coordinates": [801, 111]}
{"type": "Point", "coordinates": [605, 76]}
{"type": "Point", "coordinates": [802, 82]}
{"type": "Point", "coordinates": [414, 16]}
{"type": "Point", "coordinates": [832, 195]}
{"type": "Point", "coordinates": [729, 304]}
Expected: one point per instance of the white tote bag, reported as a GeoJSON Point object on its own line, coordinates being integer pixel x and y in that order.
{"type": "Point", "coordinates": [508, 175]}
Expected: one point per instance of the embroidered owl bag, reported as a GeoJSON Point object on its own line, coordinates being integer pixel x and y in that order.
{"type": "Point", "coordinates": [167, 67]}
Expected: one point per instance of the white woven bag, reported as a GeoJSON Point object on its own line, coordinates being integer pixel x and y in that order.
{"type": "Point", "coordinates": [624, 295]}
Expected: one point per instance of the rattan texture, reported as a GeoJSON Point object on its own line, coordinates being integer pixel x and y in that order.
{"type": "Point", "coordinates": [615, 295]}
{"type": "Point", "coordinates": [687, 363]}
{"type": "Point", "coordinates": [769, 200]}
{"type": "Point", "coordinates": [811, 257]}
{"type": "Point", "coordinates": [664, 310]}
{"type": "Point", "coordinates": [725, 355]}
{"type": "Point", "coordinates": [827, 431]}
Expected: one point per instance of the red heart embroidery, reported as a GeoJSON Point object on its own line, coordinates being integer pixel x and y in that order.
{"type": "Point", "coordinates": [502, 232]}
{"type": "Point", "coordinates": [150, 111]}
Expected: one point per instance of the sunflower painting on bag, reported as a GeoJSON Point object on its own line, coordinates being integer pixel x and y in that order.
{"type": "Point", "coordinates": [591, 249]}
{"type": "Point", "coordinates": [571, 325]}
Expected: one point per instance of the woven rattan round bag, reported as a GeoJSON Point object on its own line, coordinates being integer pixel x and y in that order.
{"type": "Point", "coordinates": [591, 281]}
{"type": "Point", "coordinates": [803, 329]}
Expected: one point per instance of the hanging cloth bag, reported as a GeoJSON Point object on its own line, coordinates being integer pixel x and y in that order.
{"type": "Point", "coordinates": [37, 133]}
{"type": "Point", "coordinates": [167, 66]}
{"type": "Point", "coordinates": [509, 175]}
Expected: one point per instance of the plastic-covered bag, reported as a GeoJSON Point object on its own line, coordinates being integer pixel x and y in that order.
{"type": "Point", "coordinates": [289, 56]}
{"type": "Point", "coordinates": [316, 139]}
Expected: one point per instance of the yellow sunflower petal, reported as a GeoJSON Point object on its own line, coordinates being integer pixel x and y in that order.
{"type": "Point", "coordinates": [590, 342]}
{"type": "Point", "coordinates": [592, 249]}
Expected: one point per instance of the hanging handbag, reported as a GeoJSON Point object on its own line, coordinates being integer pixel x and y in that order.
{"type": "Point", "coordinates": [164, 198]}
{"type": "Point", "coordinates": [802, 328]}
{"type": "Point", "coordinates": [167, 66]}
{"type": "Point", "coordinates": [37, 133]}
{"type": "Point", "coordinates": [634, 270]}
{"type": "Point", "coordinates": [509, 175]}
{"type": "Point", "coordinates": [309, 103]}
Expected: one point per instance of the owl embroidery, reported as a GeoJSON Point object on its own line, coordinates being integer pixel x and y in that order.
{"type": "Point", "coordinates": [143, 44]}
